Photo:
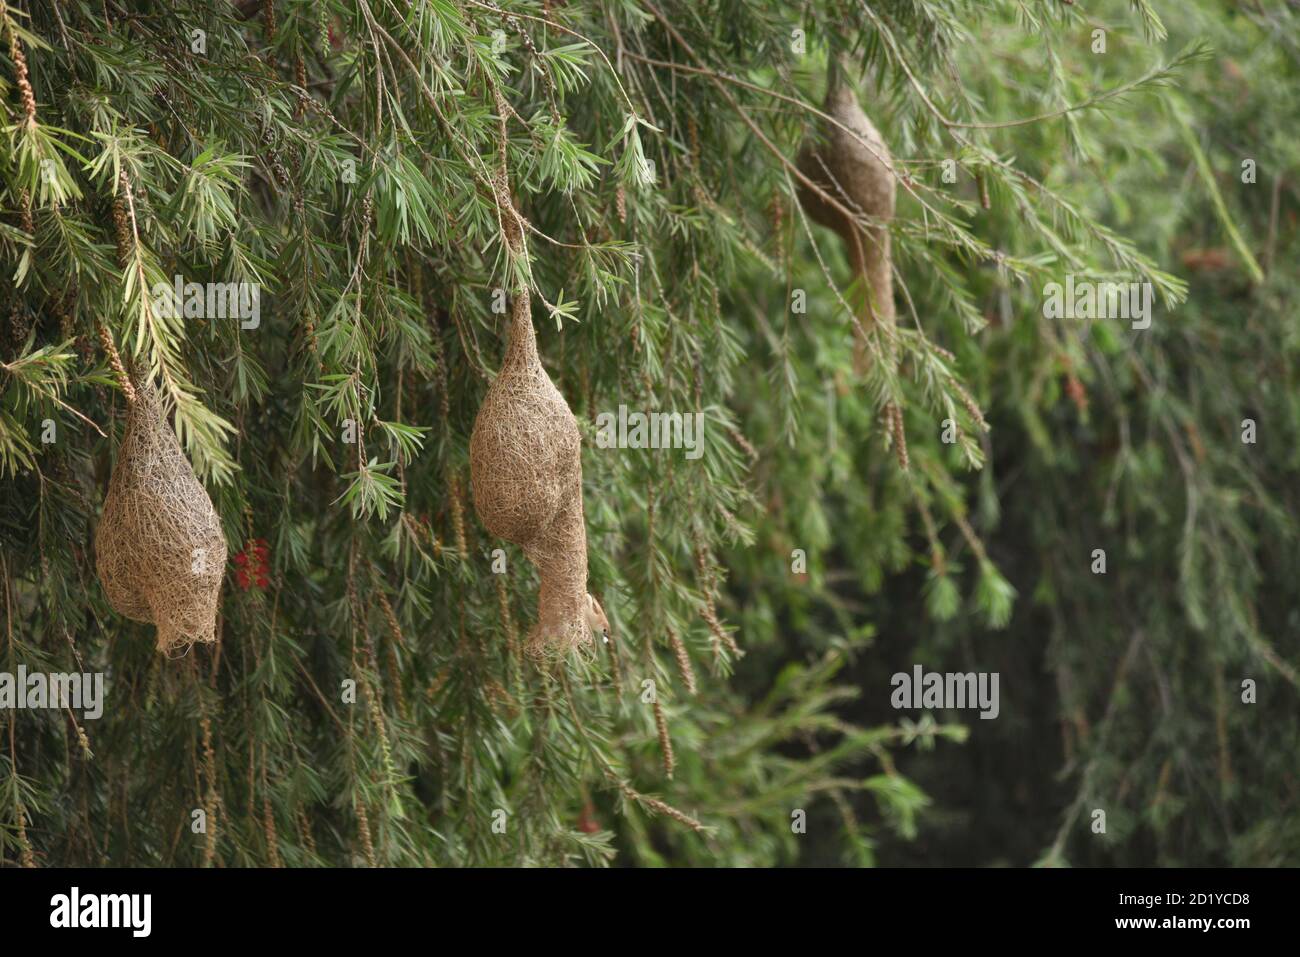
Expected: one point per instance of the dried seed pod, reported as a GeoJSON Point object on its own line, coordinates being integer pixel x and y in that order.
{"type": "Point", "coordinates": [525, 463]}
{"type": "Point", "coordinates": [852, 164]}
{"type": "Point", "coordinates": [159, 549]}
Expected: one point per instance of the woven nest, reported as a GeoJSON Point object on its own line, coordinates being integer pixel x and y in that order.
{"type": "Point", "coordinates": [159, 549]}
{"type": "Point", "coordinates": [525, 464]}
{"type": "Point", "coordinates": [858, 171]}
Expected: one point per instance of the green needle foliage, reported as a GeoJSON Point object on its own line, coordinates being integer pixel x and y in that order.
{"type": "Point", "coordinates": [370, 701]}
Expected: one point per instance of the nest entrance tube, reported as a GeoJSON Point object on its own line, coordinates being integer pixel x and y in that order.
{"type": "Point", "coordinates": [159, 549]}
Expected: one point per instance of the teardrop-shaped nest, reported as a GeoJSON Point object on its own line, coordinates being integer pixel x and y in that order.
{"type": "Point", "coordinates": [159, 549]}
{"type": "Point", "coordinates": [854, 167]}
{"type": "Point", "coordinates": [851, 163]}
{"type": "Point", "coordinates": [526, 475]}
{"type": "Point", "coordinates": [524, 452]}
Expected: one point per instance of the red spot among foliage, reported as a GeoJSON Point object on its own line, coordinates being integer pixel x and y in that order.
{"type": "Point", "coordinates": [253, 565]}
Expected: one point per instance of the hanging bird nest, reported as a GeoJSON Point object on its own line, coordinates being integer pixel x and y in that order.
{"type": "Point", "coordinates": [525, 464]}
{"type": "Point", "coordinates": [851, 163]}
{"type": "Point", "coordinates": [159, 549]}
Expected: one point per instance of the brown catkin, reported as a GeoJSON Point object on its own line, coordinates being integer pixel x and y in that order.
{"type": "Point", "coordinates": [363, 829]}
{"type": "Point", "coordinates": [458, 517]}
{"type": "Point", "coordinates": [390, 618]}
{"type": "Point", "coordinates": [304, 831]}
{"type": "Point", "coordinates": [281, 174]}
{"type": "Point", "coordinates": [66, 309]}
{"type": "Point", "coordinates": [323, 28]}
{"type": "Point", "coordinates": [21, 79]}
{"type": "Point", "coordinates": [655, 804]}
{"type": "Point", "coordinates": [375, 706]}
{"type": "Point", "coordinates": [497, 694]}
{"type": "Point", "coordinates": [745, 445]}
{"type": "Point", "coordinates": [776, 210]}
{"type": "Point", "coordinates": [894, 420]}
{"type": "Point", "coordinates": [18, 326]}
{"type": "Point", "coordinates": [25, 213]}
{"type": "Point", "coordinates": [683, 660]}
{"type": "Point", "coordinates": [25, 856]}
{"type": "Point", "coordinates": [115, 361]}
{"type": "Point", "coordinates": [665, 742]}
{"type": "Point", "coordinates": [272, 840]}
{"type": "Point", "coordinates": [86, 352]}
{"type": "Point", "coordinates": [209, 802]}
{"type": "Point", "coordinates": [309, 333]}
{"type": "Point", "coordinates": [720, 635]}
{"type": "Point", "coordinates": [852, 165]}
{"type": "Point", "coordinates": [503, 603]}
{"type": "Point", "coordinates": [969, 403]}
{"type": "Point", "coordinates": [121, 221]}
{"type": "Point", "coordinates": [709, 612]}
{"type": "Point", "coordinates": [83, 742]}
{"type": "Point", "coordinates": [300, 80]}
{"type": "Point", "coordinates": [440, 370]}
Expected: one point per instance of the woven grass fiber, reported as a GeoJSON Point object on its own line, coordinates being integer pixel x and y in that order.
{"type": "Point", "coordinates": [159, 549]}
